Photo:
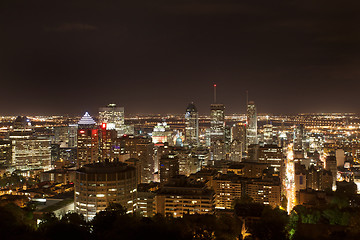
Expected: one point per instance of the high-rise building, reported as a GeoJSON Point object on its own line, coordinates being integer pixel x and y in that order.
{"type": "Point", "coordinates": [87, 141]}
{"type": "Point", "coordinates": [268, 134]}
{"type": "Point", "coordinates": [191, 126]}
{"type": "Point", "coordinates": [107, 140]}
{"type": "Point", "coordinates": [169, 167]}
{"type": "Point", "coordinates": [217, 129]}
{"type": "Point", "coordinates": [251, 124]}
{"type": "Point", "coordinates": [141, 148]}
{"type": "Point", "coordinates": [298, 137]}
{"type": "Point", "coordinates": [217, 122]}
{"type": "Point", "coordinates": [5, 153]}
{"type": "Point", "coordinates": [99, 184]}
{"type": "Point", "coordinates": [29, 152]}
{"type": "Point", "coordinates": [114, 118]}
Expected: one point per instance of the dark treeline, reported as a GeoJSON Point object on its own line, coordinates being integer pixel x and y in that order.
{"type": "Point", "coordinates": [248, 221]}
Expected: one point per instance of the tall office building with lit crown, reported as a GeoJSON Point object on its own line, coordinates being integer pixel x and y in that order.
{"type": "Point", "coordinates": [114, 118]}
{"type": "Point", "coordinates": [251, 124]}
{"type": "Point", "coordinates": [191, 126]}
{"type": "Point", "coordinates": [87, 141]}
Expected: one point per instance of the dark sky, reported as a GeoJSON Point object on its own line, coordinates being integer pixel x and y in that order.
{"type": "Point", "coordinates": [59, 57]}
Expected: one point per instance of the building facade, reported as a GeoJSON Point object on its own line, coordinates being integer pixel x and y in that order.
{"type": "Point", "coordinates": [99, 184]}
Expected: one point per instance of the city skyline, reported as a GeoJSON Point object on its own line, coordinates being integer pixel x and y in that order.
{"type": "Point", "coordinates": [156, 57]}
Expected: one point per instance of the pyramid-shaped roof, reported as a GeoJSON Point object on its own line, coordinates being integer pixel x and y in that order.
{"type": "Point", "coordinates": [86, 120]}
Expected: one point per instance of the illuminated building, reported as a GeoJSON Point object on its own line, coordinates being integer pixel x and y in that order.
{"type": "Point", "coordinates": [145, 200]}
{"type": "Point", "coordinates": [107, 142]}
{"type": "Point", "coordinates": [238, 143]}
{"type": "Point", "coordinates": [217, 131]}
{"type": "Point", "coordinates": [87, 141]}
{"type": "Point", "coordinates": [66, 136]}
{"type": "Point", "coordinates": [238, 132]}
{"type": "Point", "coordinates": [140, 148]}
{"type": "Point", "coordinates": [264, 192]}
{"type": "Point", "coordinates": [188, 163]}
{"type": "Point", "coordinates": [5, 153]}
{"type": "Point", "coordinates": [251, 124]}
{"type": "Point", "coordinates": [101, 183]}
{"type": "Point", "coordinates": [318, 179]}
{"type": "Point", "coordinates": [271, 154]}
{"type": "Point", "coordinates": [169, 167]}
{"type": "Point", "coordinates": [298, 137]}
{"type": "Point", "coordinates": [114, 118]}
{"type": "Point", "coordinates": [227, 189]}
{"type": "Point", "coordinates": [268, 134]}
{"type": "Point", "coordinates": [235, 151]}
{"type": "Point", "coordinates": [180, 196]}
{"type": "Point", "coordinates": [29, 152]}
{"type": "Point", "coordinates": [191, 126]}
{"type": "Point", "coordinates": [162, 134]}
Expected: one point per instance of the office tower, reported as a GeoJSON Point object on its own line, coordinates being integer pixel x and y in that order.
{"type": "Point", "coordinates": [191, 126]}
{"type": "Point", "coordinates": [298, 137]}
{"type": "Point", "coordinates": [251, 124]}
{"type": "Point", "coordinates": [87, 141]}
{"type": "Point", "coordinates": [217, 129]}
{"type": "Point", "coordinates": [114, 118]}
{"type": "Point", "coordinates": [29, 153]}
{"type": "Point", "coordinates": [217, 122]}
{"type": "Point", "coordinates": [65, 136]}
{"type": "Point", "coordinates": [107, 140]}
{"type": "Point", "coordinates": [99, 184]}
{"type": "Point", "coordinates": [238, 133]}
{"type": "Point", "coordinates": [141, 148]}
{"type": "Point", "coordinates": [236, 151]}
{"type": "Point", "coordinates": [268, 134]}
{"type": "Point", "coordinates": [169, 167]}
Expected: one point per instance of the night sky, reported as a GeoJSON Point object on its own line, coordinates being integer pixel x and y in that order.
{"type": "Point", "coordinates": [66, 57]}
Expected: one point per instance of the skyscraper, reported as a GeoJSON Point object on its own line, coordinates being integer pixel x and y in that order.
{"type": "Point", "coordinates": [251, 124]}
{"type": "Point", "coordinates": [113, 116]}
{"type": "Point", "coordinates": [298, 137]}
{"type": "Point", "coordinates": [87, 141]}
{"type": "Point", "coordinates": [191, 126]}
{"type": "Point", "coordinates": [29, 152]}
{"type": "Point", "coordinates": [217, 128]}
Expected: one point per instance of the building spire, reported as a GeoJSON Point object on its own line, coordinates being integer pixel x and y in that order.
{"type": "Point", "coordinates": [214, 93]}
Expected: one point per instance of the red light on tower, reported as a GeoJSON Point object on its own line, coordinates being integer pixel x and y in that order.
{"type": "Point", "coordinates": [82, 131]}
{"type": "Point", "coordinates": [103, 125]}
